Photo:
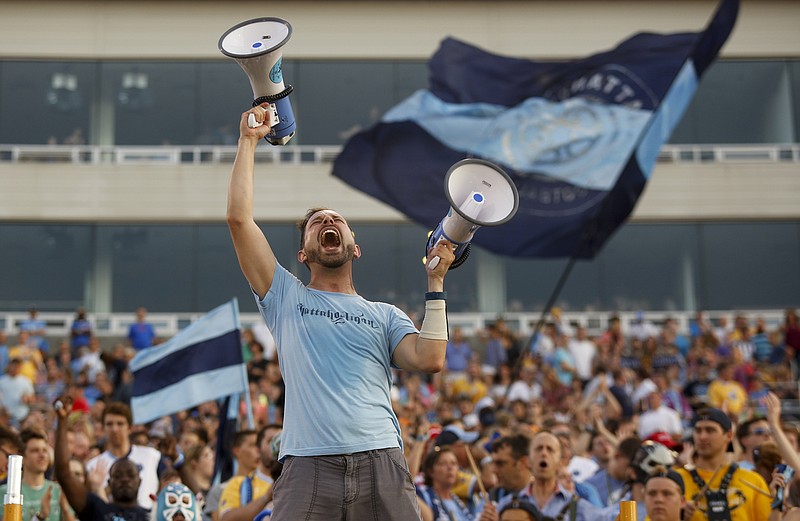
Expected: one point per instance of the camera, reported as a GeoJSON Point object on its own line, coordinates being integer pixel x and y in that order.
{"type": "Point", "coordinates": [788, 473]}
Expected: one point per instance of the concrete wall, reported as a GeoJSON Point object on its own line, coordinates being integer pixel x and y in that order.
{"type": "Point", "coordinates": [372, 29]}
{"type": "Point", "coordinates": [186, 193]}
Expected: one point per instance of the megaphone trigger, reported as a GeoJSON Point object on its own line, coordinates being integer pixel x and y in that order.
{"type": "Point", "coordinates": [251, 121]}
{"type": "Point", "coordinates": [433, 263]}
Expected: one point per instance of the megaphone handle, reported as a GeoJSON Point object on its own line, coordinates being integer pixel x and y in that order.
{"type": "Point", "coordinates": [433, 263]}
{"type": "Point", "coordinates": [251, 121]}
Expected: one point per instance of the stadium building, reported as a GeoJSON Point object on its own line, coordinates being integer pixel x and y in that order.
{"type": "Point", "coordinates": [118, 125]}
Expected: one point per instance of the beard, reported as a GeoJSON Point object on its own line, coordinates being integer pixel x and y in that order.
{"type": "Point", "coordinates": [332, 261]}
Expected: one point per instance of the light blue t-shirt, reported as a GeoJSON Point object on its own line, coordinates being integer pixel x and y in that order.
{"type": "Point", "coordinates": [335, 353]}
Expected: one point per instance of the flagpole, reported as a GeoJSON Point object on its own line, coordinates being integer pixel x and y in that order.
{"type": "Point", "coordinates": [251, 424]}
{"type": "Point", "coordinates": [589, 228]}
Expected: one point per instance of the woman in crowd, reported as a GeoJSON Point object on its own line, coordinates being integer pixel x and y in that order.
{"type": "Point", "coordinates": [438, 502]}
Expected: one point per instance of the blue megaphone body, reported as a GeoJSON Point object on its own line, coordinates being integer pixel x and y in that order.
{"type": "Point", "coordinates": [256, 46]}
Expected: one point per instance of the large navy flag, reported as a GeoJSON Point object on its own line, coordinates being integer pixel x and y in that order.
{"type": "Point", "coordinates": [203, 362]}
{"type": "Point", "coordinates": [579, 138]}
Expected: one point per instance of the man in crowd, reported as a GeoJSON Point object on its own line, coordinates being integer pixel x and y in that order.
{"type": "Point", "coordinates": [244, 496]}
{"type": "Point", "coordinates": [511, 465]}
{"type": "Point", "coordinates": [730, 489]}
{"type": "Point", "coordinates": [246, 455]}
{"type": "Point", "coordinates": [42, 498]}
{"type": "Point", "coordinates": [610, 483]}
{"type": "Point", "coordinates": [16, 391]}
{"type": "Point", "coordinates": [123, 481]}
{"type": "Point", "coordinates": [544, 490]}
{"type": "Point", "coordinates": [117, 422]}
{"type": "Point", "coordinates": [141, 333]}
{"type": "Point", "coordinates": [664, 496]}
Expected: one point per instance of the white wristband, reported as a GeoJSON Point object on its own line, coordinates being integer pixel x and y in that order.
{"type": "Point", "coordinates": [434, 325]}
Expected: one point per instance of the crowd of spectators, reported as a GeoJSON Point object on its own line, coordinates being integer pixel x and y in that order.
{"type": "Point", "coordinates": [495, 404]}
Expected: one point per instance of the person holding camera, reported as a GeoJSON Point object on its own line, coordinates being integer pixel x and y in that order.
{"type": "Point", "coordinates": [786, 505]}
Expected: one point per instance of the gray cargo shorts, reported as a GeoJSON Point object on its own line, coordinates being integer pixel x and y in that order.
{"type": "Point", "coordinates": [371, 485]}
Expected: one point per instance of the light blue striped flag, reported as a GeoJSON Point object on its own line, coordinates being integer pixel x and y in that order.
{"type": "Point", "coordinates": [201, 363]}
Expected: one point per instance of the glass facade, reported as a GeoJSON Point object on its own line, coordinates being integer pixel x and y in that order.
{"type": "Point", "coordinates": [644, 266]}
{"type": "Point", "coordinates": [193, 268]}
{"type": "Point", "coordinates": [191, 102]}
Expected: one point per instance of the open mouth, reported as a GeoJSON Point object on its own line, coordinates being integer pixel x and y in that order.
{"type": "Point", "coordinates": [330, 239]}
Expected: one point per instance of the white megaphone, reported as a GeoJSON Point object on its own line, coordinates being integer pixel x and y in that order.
{"type": "Point", "coordinates": [480, 193]}
{"type": "Point", "coordinates": [255, 45]}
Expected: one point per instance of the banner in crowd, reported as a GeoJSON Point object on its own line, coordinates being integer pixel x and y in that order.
{"type": "Point", "coordinates": [203, 362]}
{"type": "Point", "coordinates": [579, 138]}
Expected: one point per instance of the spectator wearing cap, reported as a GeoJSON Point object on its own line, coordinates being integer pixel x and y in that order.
{"type": "Point", "coordinates": [665, 439]}
{"type": "Point", "coordinates": [730, 488]}
{"type": "Point", "coordinates": [520, 510]}
{"type": "Point", "coordinates": [664, 494]}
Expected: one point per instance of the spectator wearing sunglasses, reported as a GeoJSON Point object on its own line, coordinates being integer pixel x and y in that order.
{"type": "Point", "coordinates": [751, 434]}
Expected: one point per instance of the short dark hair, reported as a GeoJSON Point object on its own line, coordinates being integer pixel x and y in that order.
{"type": "Point", "coordinates": [518, 443]}
{"type": "Point", "coordinates": [743, 429]}
{"type": "Point", "coordinates": [263, 432]}
{"type": "Point", "coordinates": [239, 437]}
{"type": "Point", "coordinates": [118, 409]}
{"type": "Point", "coordinates": [629, 446]}
{"type": "Point", "coordinates": [8, 436]}
{"type": "Point", "coordinates": [31, 433]}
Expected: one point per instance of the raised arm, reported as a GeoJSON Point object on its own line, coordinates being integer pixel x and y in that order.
{"type": "Point", "coordinates": [426, 352]}
{"type": "Point", "coordinates": [789, 455]}
{"type": "Point", "coordinates": [252, 249]}
{"type": "Point", "coordinates": [73, 488]}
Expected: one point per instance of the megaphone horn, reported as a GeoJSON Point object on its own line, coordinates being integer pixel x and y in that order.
{"type": "Point", "coordinates": [256, 47]}
{"type": "Point", "coordinates": [480, 193]}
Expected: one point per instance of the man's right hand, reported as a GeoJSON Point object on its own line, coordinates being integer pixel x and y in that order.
{"type": "Point", "coordinates": [261, 116]}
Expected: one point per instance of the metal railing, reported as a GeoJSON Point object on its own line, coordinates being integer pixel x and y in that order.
{"type": "Point", "coordinates": [320, 154]}
{"type": "Point", "coordinates": [161, 155]}
{"type": "Point", "coordinates": [115, 325]}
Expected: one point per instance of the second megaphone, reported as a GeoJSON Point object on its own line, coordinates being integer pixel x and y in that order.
{"type": "Point", "coordinates": [480, 193]}
{"type": "Point", "coordinates": [256, 47]}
